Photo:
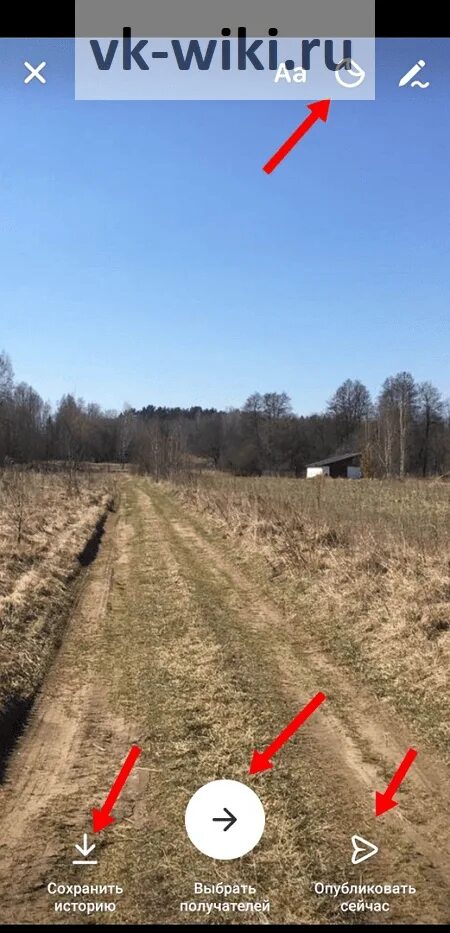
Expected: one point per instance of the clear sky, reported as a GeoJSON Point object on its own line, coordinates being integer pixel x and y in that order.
{"type": "Point", "coordinates": [147, 258]}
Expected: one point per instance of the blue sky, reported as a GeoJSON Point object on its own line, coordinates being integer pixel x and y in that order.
{"type": "Point", "coordinates": [148, 259]}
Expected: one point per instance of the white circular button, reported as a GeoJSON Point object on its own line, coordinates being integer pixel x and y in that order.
{"type": "Point", "coordinates": [224, 819]}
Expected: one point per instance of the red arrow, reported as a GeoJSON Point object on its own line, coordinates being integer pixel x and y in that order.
{"type": "Point", "coordinates": [101, 818]}
{"type": "Point", "coordinates": [319, 111]}
{"type": "Point", "coordinates": [384, 802]}
{"type": "Point", "coordinates": [261, 760]}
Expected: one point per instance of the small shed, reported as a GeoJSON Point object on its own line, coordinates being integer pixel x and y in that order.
{"type": "Point", "coordinates": [347, 466]}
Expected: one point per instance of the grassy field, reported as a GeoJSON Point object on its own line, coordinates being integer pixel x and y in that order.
{"type": "Point", "coordinates": [46, 522]}
{"type": "Point", "coordinates": [215, 609]}
{"type": "Point", "coordinates": [366, 565]}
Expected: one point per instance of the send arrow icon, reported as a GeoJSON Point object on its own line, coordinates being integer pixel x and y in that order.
{"type": "Point", "coordinates": [230, 819]}
{"type": "Point", "coordinates": [362, 845]}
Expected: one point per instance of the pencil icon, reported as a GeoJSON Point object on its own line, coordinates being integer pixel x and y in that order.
{"type": "Point", "coordinates": [412, 73]}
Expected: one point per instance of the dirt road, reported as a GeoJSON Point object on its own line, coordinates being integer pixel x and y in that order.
{"type": "Point", "coordinates": [177, 646]}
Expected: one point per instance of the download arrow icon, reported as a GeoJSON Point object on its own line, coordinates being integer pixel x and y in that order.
{"type": "Point", "coordinates": [85, 849]}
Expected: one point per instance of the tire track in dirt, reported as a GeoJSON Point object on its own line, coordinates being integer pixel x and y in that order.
{"type": "Point", "coordinates": [55, 769]}
{"type": "Point", "coordinates": [371, 725]}
{"type": "Point", "coordinates": [382, 734]}
{"type": "Point", "coordinates": [197, 724]}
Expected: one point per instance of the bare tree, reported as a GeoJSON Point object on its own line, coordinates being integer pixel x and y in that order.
{"type": "Point", "coordinates": [159, 448]}
{"type": "Point", "coordinates": [254, 413]}
{"type": "Point", "coordinates": [276, 405]}
{"type": "Point", "coordinates": [126, 433]}
{"type": "Point", "coordinates": [397, 406]}
{"type": "Point", "coordinates": [6, 388]}
{"type": "Point", "coordinates": [431, 410]}
{"type": "Point", "coordinates": [351, 407]}
{"type": "Point", "coordinates": [6, 376]}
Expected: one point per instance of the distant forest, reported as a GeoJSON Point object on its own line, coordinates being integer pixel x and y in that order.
{"type": "Point", "coordinates": [405, 430]}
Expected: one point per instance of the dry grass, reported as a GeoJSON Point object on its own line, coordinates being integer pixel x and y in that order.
{"type": "Point", "coordinates": [46, 520]}
{"type": "Point", "coordinates": [366, 565]}
{"type": "Point", "coordinates": [200, 668]}
{"type": "Point", "coordinates": [188, 682]}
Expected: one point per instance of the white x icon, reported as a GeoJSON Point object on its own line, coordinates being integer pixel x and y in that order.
{"type": "Point", "coordinates": [34, 73]}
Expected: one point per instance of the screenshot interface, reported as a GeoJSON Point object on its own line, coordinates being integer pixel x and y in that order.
{"type": "Point", "coordinates": [224, 469]}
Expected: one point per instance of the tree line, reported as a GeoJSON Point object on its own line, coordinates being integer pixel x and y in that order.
{"type": "Point", "coordinates": [405, 430]}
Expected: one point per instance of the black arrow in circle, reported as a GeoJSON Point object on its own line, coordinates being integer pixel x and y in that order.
{"type": "Point", "coordinates": [230, 819]}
